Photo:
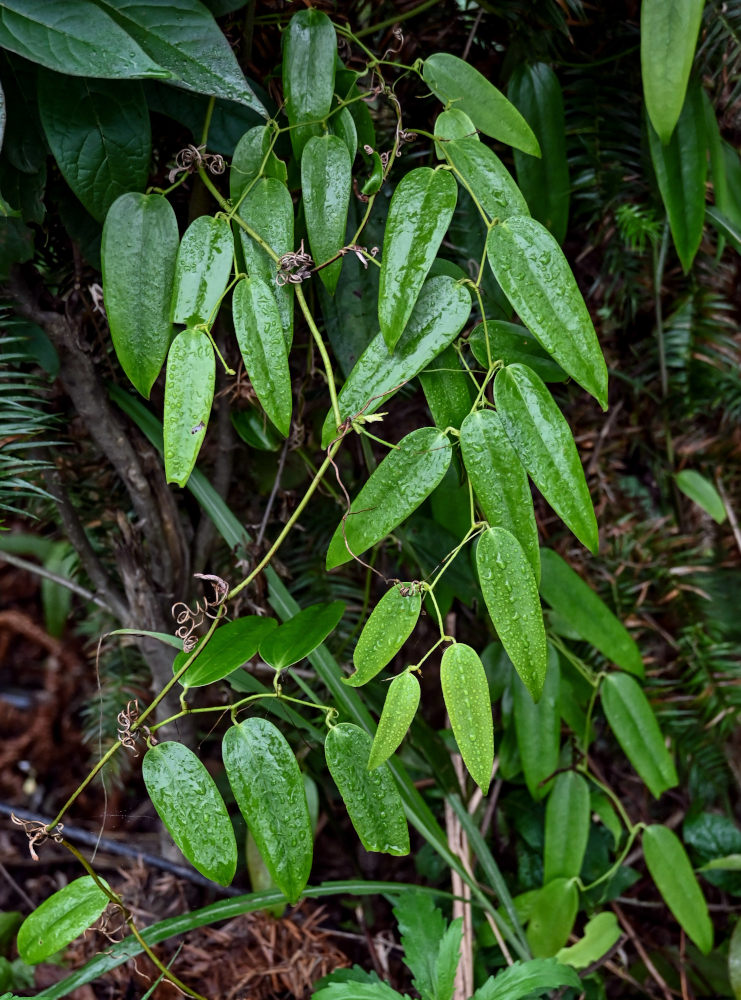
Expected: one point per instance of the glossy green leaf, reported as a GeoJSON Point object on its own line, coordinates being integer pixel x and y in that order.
{"type": "Point", "coordinates": [468, 704]}
{"type": "Point", "coordinates": [269, 790]}
{"type": "Point", "coordinates": [60, 919]}
{"type": "Point", "coordinates": [701, 491]}
{"type": "Point", "coordinates": [231, 646]}
{"type": "Point", "coordinates": [456, 83]}
{"type": "Point", "coordinates": [545, 446]}
{"type": "Point", "coordinates": [309, 55]}
{"type": "Point", "coordinates": [371, 797]}
{"type": "Point", "coordinates": [500, 481]}
{"type": "Point", "coordinates": [538, 728]}
{"type": "Point", "coordinates": [255, 430]}
{"type": "Point", "coordinates": [419, 215]}
{"type": "Point", "coordinates": [204, 263]}
{"type": "Point", "coordinates": [527, 979]}
{"type": "Point", "coordinates": [138, 253]}
{"type": "Point", "coordinates": [669, 30]}
{"type": "Point", "coordinates": [259, 333]}
{"type": "Point", "coordinates": [634, 725]}
{"type": "Point", "coordinates": [300, 635]}
{"type": "Point", "coordinates": [438, 317]}
{"type": "Point", "coordinates": [326, 180]}
{"type": "Point", "coordinates": [670, 868]}
{"type": "Point", "coordinates": [405, 477]}
{"type": "Point", "coordinates": [389, 626]}
{"type": "Point", "coordinates": [189, 804]}
{"type": "Point", "coordinates": [76, 38]}
{"type": "Point", "coordinates": [99, 134]}
{"type": "Point", "coordinates": [601, 933]}
{"type": "Point", "coordinates": [511, 596]}
{"type": "Point", "coordinates": [253, 158]}
{"type": "Point", "coordinates": [586, 613]}
{"type": "Point", "coordinates": [268, 209]}
{"type": "Point", "coordinates": [421, 929]}
{"type": "Point", "coordinates": [567, 817]}
{"type": "Point", "coordinates": [730, 863]}
{"type": "Point", "coordinates": [484, 174]}
{"type": "Point", "coordinates": [553, 917]}
{"type": "Point", "coordinates": [182, 36]}
{"type": "Point", "coordinates": [535, 91]}
{"type": "Point", "coordinates": [681, 169]}
{"type": "Point", "coordinates": [452, 124]}
{"type": "Point", "coordinates": [342, 124]}
{"type": "Point", "coordinates": [399, 709]}
{"type": "Point", "coordinates": [447, 388]}
{"type": "Point", "coordinates": [189, 392]}
{"type": "Point", "coordinates": [513, 344]}
{"type": "Point", "coordinates": [734, 961]}
{"type": "Point", "coordinates": [536, 278]}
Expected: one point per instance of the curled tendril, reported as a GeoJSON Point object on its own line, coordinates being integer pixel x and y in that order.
{"type": "Point", "coordinates": [362, 253]}
{"type": "Point", "coordinates": [37, 833]}
{"type": "Point", "coordinates": [189, 159]}
{"type": "Point", "coordinates": [189, 619]}
{"type": "Point", "coordinates": [294, 267]}
{"type": "Point", "coordinates": [126, 719]}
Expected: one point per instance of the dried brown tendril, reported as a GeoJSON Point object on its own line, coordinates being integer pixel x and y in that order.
{"type": "Point", "coordinates": [37, 833]}
{"type": "Point", "coordinates": [189, 619]}
{"type": "Point", "coordinates": [294, 267]}
{"type": "Point", "coordinates": [361, 253]}
{"type": "Point", "coordinates": [188, 160]}
{"type": "Point", "coordinates": [126, 719]}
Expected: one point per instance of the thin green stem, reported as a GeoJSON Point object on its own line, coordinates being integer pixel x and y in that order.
{"type": "Point", "coordinates": [606, 790]}
{"type": "Point", "coordinates": [442, 639]}
{"type": "Point", "coordinates": [440, 625]}
{"type": "Point", "coordinates": [323, 352]}
{"type": "Point", "coordinates": [83, 785]}
{"type": "Point", "coordinates": [474, 530]}
{"type": "Point", "coordinates": [632, 834]}
{"type": "Point", "coordinates": [230, 211]}
{"type": "Point", "coordinates": [207, 120]}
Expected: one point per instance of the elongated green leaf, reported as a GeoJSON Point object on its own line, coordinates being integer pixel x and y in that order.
{"type": "Point", "coordinates": [600, 934]}
{"type": "Point", "coordinates": [300, 635]}
{"type": "Point", "coordinates": [526, 979]}
{"type": "Point", "coordinates": [545, 446]}
{"type": "Point", "coordinates": [182, 36]}
{"type": "Point", "coordinates": [204, 263]}
{"type": "Point", "coordinates": [511, 596]}
{"type": "Point", "coordinates": [566, 826]}
{"type": "Point", "coordinates": [343, 126]}
{"type": "Point", "coordinates": [100, 136]}
{"type": "Point", "coordinates": [702, 492]}
{"type": "Point", "coordinates": [60, 919]}
{"type": "Point", "coordinates": [326, 179]}
{"type": "Point", "coordinates": [399, 710]}
{"type": "Point", "coordinates": [669, 31]}
{"type": "Point", "coordinates": [138, 253]}
{"type": "Point", "coordinates": [438, 317]}
{"type": "Point", "coordinates": [259, 333]}
{"type": "Point", "coordinates": [189, 804]}
{"type": "Point", "coordinates": [75, 38]}
{"type": "Point", "coordinates": [268, 209]}
{"type": "Point", "coordinates": [681, 169]}
{"type": "Point", "coordinates": [536, 278]}
{"type": "Point", "coordinates": [448, 958]}
{"type": "Point", "coordinates": [169, 640]}
{"type": "Point", "coordinates": [419, 215]}
{"type": "Point", "coordinates": [189, 392]}
{"type": "Point", "coordinates": [500, 481]}
{"type": "Point", "coordinates": [725, 226]}
{"type": "Point", "coordinates": [406, 476]}
{"type": "Point", "coordinates": [670, 868]}
{"type": "Point", "coordinates": [309, 55]}
{"type": "Point", "coordinates": [553, 917]}
{"type": "Point", "coordinates": [252, 159]}
{"type": "Point", "coordinates": [513, 344]}
{"type": "Point", "coordinates": [456, 83]}
{"type": "Point", "coordinates": [634, 724]}
{"type": "Point", "coordinates": [229, 648]}
{"type": "Point", "coordinates": [586, 613]}
{"type": "Point", "coordinates": [447, 389]}
{"type": "Point", "coordinates": [371, 797]}
{"type": "Point", "coordinates": [483, 172]}
{"type": "Point", "coordinates": [538, 728]}
{"type": "Point", "coordinates": [452, 124]}
{"type": "Point", "coordinates": [468, 703]}
{"type": "Point", "coordinates": [390, 624]}
{"type": "Point", "coordinates": [269, 790]}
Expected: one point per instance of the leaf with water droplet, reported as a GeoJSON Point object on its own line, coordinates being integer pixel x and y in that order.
{"type": "Point", "coordinates": [60, 919]}
{"type": "Point", "coordinates": [253, 158]}
{"type": "Point", "coordinates": [326, 178]}
{"type": "Point", "coordinates": [399, 710]}
{"type": "Point", "coordinates": [486, 176]}
{"type": "Point", "coordinates": [309, 57]}
{"type": "Point", "coordinates": [468, 703]}
{"type": "Point", "coordinates": [189, 392]}
{"type": "Point", "coordinates": [390, 624]}
{"type": "Point", "coordinates": [202, 270]}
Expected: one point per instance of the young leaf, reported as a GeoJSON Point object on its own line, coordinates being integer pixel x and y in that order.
{"type": "Point", "coordinates": [634, 724]}
{"type": "Point", "coordinates": [527, 979]}
{"type": "Point", "coordinates": [251, 160]}
{"type": "Point", "coordinates": [545, 446]}
{"type": "Point", "coordinates": [454, 82]}
{"type": "Point", "coordinates": [448, 958]}
{"type": "Point", "coordinates": [202, 270]}
{"type": "Point", "coordinates": [259, 333]}
{"type": "Point", "coordinates": [371, 798]}
{"type": "Point", "coordinates": [538, 728]}
{"type": "Point", "coordinates": [499, 481]}
{"type": "Point", "coordinates": [436, 320]}
{"type": "Point", "coordinates": [421, 930]}
{"type": "Point", "coordinates": [138, 253]}
{"type": "Point", "coordinates": [447, 389]}
{"type": "Point", "coordinates": [553, 917]}
{"type": "Point", "coordinates": [579, 606]}
{"type": "Point", "coordinates": [269, 790]}
{"type": "Point", "coordinates": [189, 392]}
{"type": "Point", "coordinates": [99, 134]}
{"type": "Point", "coordinates": [468, 704]}
{"type": "Point", "coordinates": [189, 804]}
{"type": "Point", "coordinates": [399, 710]}
{"type": "Point", "coordinates": [419, 215]}
{"type": "Point", "coordinates": [702, 492]}
{"type": "Point", "coordinates": [230, 646]}
{"type": "Point", "coordinates": [566, 826]}
{"type": "Point", "coordinates": [390, 624]}
{"type": "Point", "coordinates": [486, 176]}
{"type": "Point", "coordinates": [60, 919]}
{"type": "Point", "coordinates": [326, 179]}
{"type": "Point", "coordinates": [405, 477]}
{"type": "Point", "coordinates": [300, 635]}
{"type": "Point", "coordinates": [669, 31]}
{"type": "Point", "coordinates": [670, 868]}
{"type": "Point", "coordinates": [513, 344]}
{"type": "Point", "coordinates": [511, 596]}
{"type": "Point", "coordinates": [536, 278]}
{"type": "Point", "coordinates": [309, 56]}
{"type": "Point", "coordinates": [600, 934]}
